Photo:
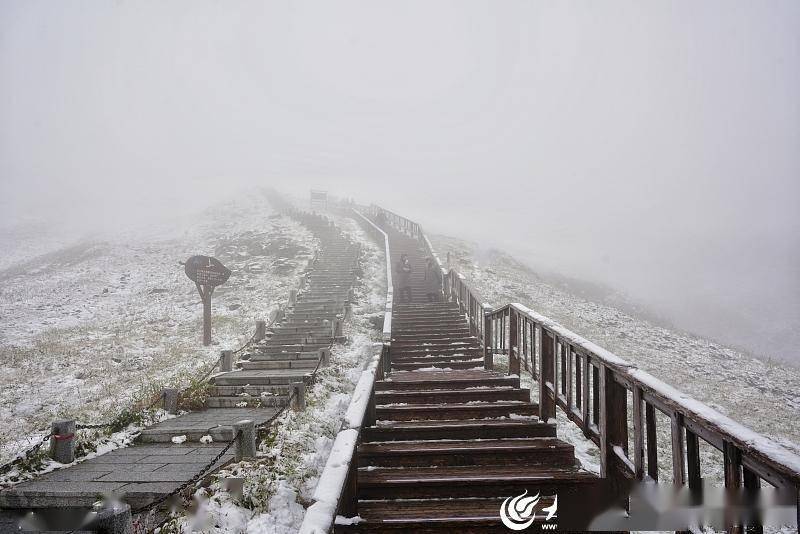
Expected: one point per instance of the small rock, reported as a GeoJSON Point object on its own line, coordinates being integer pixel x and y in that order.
{"type": "Point", "coordinates": [179, 439]}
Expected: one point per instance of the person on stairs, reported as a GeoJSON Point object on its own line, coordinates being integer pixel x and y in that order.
{"type": "Point", "coordinates": [433, 283]}
{"type": "Point", "coordinates": [404, 278]}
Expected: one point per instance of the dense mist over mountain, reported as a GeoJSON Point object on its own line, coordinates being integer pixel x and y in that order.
{"type": "Point", "coordinates": [650, 148]}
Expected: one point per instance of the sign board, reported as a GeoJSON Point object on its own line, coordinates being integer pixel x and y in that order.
{"type": "Point", "coordinates": [206, 271]}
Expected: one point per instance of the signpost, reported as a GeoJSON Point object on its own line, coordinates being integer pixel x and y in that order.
{"type": "Point", "coordinates": [207, 273]}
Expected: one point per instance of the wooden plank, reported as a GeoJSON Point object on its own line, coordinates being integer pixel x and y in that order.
{"type": "Point", "coordinates": [585, 390]}
{"type": "Point", "coordinates": [732, 457]}
{"type": "Point", "coordinates": [638, 434]}
{"type": "Point", "coordinates": [678, 448]}
{"type": "Point", "coordinates": [693, 474]}
{"type": "Point", "coordinates": [564, 375]}
{"type": "Point", "coordinates": [569, 374]}
{"type": "Point", "coordinates": [613, 429]}
{"type": "Point", "coordinates": [488, 345]}
{"type": "Point", "coordinates": [513, 344]}
{"type": "Point", "coordinates": [547, 409]}
{"type": "Point", "coordinates": [652, 441]}
{"type": "Point", "coordinates": [595, 395]}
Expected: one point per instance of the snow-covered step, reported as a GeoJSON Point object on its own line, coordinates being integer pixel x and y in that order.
{"type": "Point", "coordinates": [421, 380]}
{"type": "Point", "coordinates": [279, 364]}
{"type": "Point", "coordinates": [267, 401]}
{"type": "Point", "coordinates": [438, 363]}
{"type": "Point", "coordinates": [261, 377]}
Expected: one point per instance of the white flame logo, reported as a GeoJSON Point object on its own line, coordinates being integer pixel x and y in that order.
{"type": "Point", "coordinates": [518, 513]}
{"type": "Point", "coordinates": [514, 512]}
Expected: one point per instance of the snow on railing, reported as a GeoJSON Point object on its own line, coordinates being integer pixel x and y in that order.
{"type": "Point", "coordinates": [594, 388]}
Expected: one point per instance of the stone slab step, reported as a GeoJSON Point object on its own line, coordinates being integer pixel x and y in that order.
{"type": "Point", "coordinates": [279, 364]}
{"type": "Point", "coordinates": [253, 391]}
{"type": "Point", "coordinates": [261, 377]}
{"type": "Point", "coordinates": [271, 401]}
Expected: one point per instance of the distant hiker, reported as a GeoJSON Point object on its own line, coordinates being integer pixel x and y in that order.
{"type": "Point", "coordinates": [380, 219]}
{"type": "Point", "coordinates": [433, 282]}
{"type": "Point", "coordinates": [404, 278]}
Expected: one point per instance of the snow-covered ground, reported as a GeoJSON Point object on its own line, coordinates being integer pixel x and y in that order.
{"type": "Point", "coordinates": [90, 325]}
{"type": "Point", "coordinates": [763, 395]}
{"type": "Point", "coordinates": [279, 484]}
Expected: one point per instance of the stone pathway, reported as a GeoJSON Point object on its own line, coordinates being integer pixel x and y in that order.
{"type": "Point", "coordinates": [258, 387]}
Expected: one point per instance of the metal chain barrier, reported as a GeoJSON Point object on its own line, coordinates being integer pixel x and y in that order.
{"type": "Point", "coordinates": [95, 426]}
{"type": "Point", "coordinates": [186, 484]}
{"type": "Point", "coordinates": [25, 455]}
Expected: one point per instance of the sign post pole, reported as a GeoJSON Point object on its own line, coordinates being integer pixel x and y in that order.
{"type": "Point", "coordinates": [205, 295]}
{"type": "Point", "coordinates": [207, 273]}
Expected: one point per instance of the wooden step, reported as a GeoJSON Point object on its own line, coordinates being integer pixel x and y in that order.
{"type": "Point", "coordinates": [467, 481]}
{"type": "Point", "coordinates": [428, 356]}
{"type": "Point", "coordinates": [459, 429]}
{"type": "Point", "coordinates": [408, 352]}
{"type": "Point", "coordinates": [435, 515]}
{"type": "Point", "coordinates": [527, 451]}
{"type": "Point", "coordinates": [422, 380]}
{"type": "Point", "coordinates": [441, 363]}
{"type": "Point", "coordinates": [436, 344]}
{"type": "Point", "coordinates": [414, 412]}
{"type": "Point", "coordinates": [439, 396]}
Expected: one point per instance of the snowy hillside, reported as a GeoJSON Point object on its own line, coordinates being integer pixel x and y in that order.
{"type": "Point", "coordinates": [764, 396]}
{"type": "Point", "coordinates": [88, 326]}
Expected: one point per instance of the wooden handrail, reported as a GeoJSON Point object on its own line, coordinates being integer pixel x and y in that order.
{"type": "Point", "coordinates": [593, 386]}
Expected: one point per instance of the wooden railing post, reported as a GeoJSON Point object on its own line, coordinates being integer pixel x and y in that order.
{"type": "Point", "coordinates": [613, 429]}
{"type": "Point", "coordinates": [732, 457]}
{"type": "Point", "coordinates": [547, 405]}
{"type": "Point", "coordinates": [638, 434]}
{"type": "Point", "coordinates": [678, 444]}
{"type": "Point", "coordinates": [348, 504]}
{"type": "Point", "coordinates": [652, 441]}
{"type": "Point", "coordinates": [488, 354]}
{"type": "Point", "coordinates": [513, 343]}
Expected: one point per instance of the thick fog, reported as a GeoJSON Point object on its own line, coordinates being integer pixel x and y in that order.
{"type": "Point", "coordinates": [653, 147]}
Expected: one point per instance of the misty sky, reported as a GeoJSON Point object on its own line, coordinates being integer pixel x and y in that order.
{"type": "Point", "coordinates": [650, 146]}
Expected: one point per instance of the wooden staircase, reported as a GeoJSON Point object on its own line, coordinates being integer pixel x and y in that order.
{"type": "Point", "coordinates": [452, 440]}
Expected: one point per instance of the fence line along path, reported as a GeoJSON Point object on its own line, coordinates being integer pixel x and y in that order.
{"type": "Point", "coordinates": [245, 397]}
